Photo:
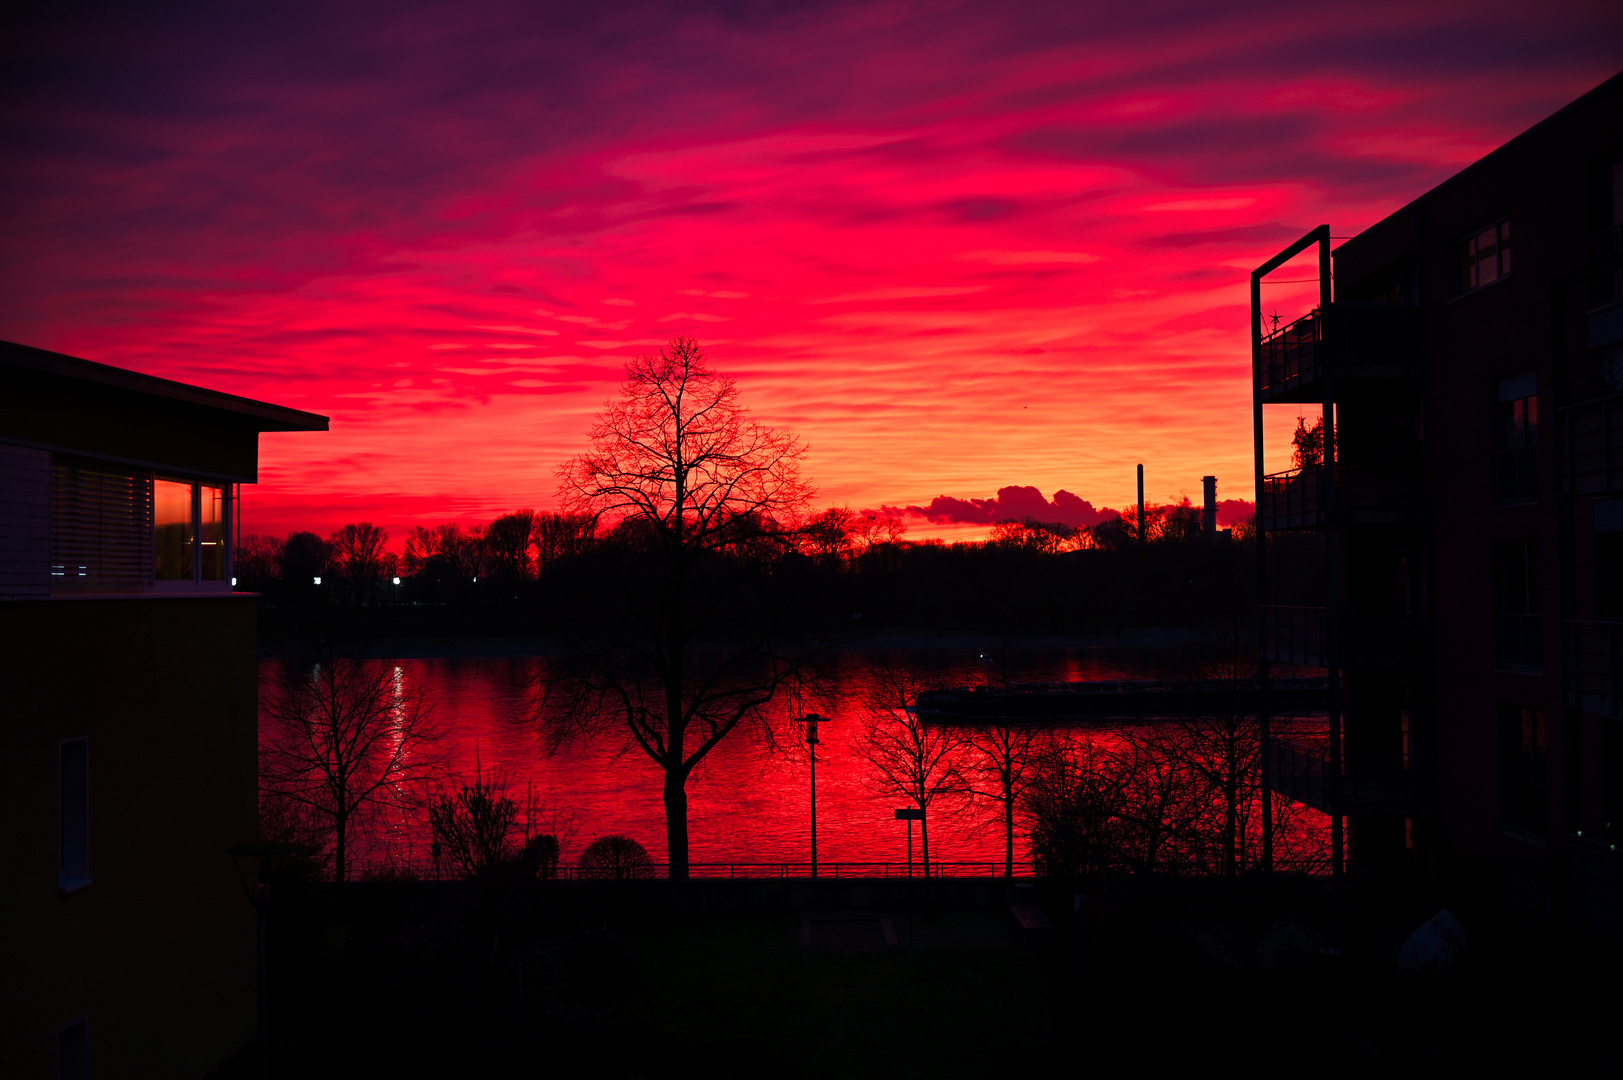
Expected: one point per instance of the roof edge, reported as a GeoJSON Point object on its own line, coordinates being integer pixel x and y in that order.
{"type": "Point", "coordinates": [1559, 114]}
{"type": "Point", "coordinates": [269, 417]}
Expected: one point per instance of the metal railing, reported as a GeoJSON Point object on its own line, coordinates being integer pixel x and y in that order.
{"type": "Point", "coordinates": [1299, 770]}
{"type": "Point", "coordinates": [1360, 340]}
{"type": "Point", "coordinates": [424, 868]}
{"type": "Point", "coordinates": [1592, 447]}
{"type": "Point", "coordinates": [1294, 499]}
{"type": "Point", "coordinates": [1592, 666]}
{"type": "Point", "coordinates": [1295, 635]}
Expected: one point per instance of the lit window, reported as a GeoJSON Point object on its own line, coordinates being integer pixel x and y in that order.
{"type": "Point", "coordinates": [73, 869]}
{"type": "Point", "coordinates": [1484, 257]}
{"type": "Point", "coordinates": [189, 531]}
{"type": "Point", "coordinates": [173, 534]}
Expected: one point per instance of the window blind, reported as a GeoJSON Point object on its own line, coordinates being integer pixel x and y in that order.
{"type": "Point", "coordinates": [101, 524]}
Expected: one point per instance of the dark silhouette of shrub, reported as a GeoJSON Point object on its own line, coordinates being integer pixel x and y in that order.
{"type": "Point", "coordinates": [615, 858]}
{"type": "Point", "coordinates": [540, 857]}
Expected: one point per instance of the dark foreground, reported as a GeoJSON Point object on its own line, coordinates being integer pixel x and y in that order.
{"type": "Point", "coordinates": [612, 980]}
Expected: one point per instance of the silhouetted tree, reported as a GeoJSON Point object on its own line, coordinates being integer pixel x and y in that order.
{"type": "Point", "coordinates": [703, 499]}
{"type": "Point", "coordinates": [1001, 765]}
{"type": "Point", "coordinates": [346, 737]}
{"type": "Point", "coordinates": [1219, 739]}
{"type": "Point", "coordinates": [507, 545]}
{"type": "Point", "coordinates": [615, 858]}
{"type": "Point", "coordinates": [558, 538]}
{"type": "Point", "coordinates": [473, 826]}
{"type": "Point", "coordinates": [304, 557]}
{"type": "Point", "coordinates": [357, 549]}
{"type": "Point", "coordinates": [1076, 805]}
{"type": "Point", "coordinates": [257, 562]}
{"type": "Point", "coordinates": [906, 757]}
{"type": "Point", "coordinates": [828, 535]}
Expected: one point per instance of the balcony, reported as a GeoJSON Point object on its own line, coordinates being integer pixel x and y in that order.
{"type": "Point", "coordinates": [1606, 287]}
{"type": "Point", "coordinates": [1295, 499]}
{"type": "Point", "coordinates": [1592, 447]}
{"type": "Point", "coordinates": [1295, 635]}
{"type": "Point", "coordinates": [1362, 341]}
{"type": "Point", "coordinates": [1592, 666]}
{"type": "Point", "coordinates": [1299, 769]}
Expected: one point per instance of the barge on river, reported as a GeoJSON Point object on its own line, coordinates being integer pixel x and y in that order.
{"type": "Point", "coordinates": [1116, 699]}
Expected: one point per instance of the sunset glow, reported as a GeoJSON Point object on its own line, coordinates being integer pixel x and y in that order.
{"type": "Point", "coordinates": [955, 248]}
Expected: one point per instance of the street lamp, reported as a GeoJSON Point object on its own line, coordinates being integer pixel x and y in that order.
{"type": "Point", "coordinates": [811, 720]}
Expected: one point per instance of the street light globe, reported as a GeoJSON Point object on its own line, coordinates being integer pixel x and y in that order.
{"type": "Point", "coordinates": [397, 581]}
{"type": "Point", "coordinates": [318, 579]}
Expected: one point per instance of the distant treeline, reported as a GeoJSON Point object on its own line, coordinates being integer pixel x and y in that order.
{"type": "Point", "coordinates": [533, 572]}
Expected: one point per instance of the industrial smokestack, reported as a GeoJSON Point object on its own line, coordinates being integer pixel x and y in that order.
{"type": "Point", "coordinates": [1208, 516]}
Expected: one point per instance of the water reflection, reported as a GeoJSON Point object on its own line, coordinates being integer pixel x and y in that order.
{"type": "Point", "coordinates": [746, 803]}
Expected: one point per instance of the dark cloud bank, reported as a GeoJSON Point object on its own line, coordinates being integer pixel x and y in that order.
{"type": "Point", "coordinates": [1019, 503]}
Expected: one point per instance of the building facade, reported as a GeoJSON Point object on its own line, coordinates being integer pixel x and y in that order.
{"type": "Point", "coordinates": [128, 724]}
{"type": "Point", "coordinates": [1465, 539]}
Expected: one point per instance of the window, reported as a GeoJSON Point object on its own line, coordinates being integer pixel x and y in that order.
{"type": "Point", "coordinates": [101, 526]}
{"type": "Point", "coordinates": [1515, 439]}
{"type": "Point", "coordinates": [1523, 804]}
{"type": "Point", "coordinates": [189, 531]}
{"type": "Point", "coordinates": [73, 870]}
{"type": "Point", "coordinates": [1484, 257]}
{"type": "Point", "coordinates": [1515, 587]}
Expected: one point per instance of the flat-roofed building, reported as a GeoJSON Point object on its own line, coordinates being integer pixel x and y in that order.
{"type": "Point", "coordinates": [1467, 518]}
{"type": "Point", "coordinates": [128, 722]}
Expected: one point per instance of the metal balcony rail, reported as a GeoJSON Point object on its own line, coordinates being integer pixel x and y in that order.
{"type": "Point", "coordinates": [1606, 243]}
{"type": "Point", "coordinates": [1358, 340]}
{"type": "Point", "coordinates": [1299, 770]}
{"type": "Point", "coordinates": [1592, 666]}
{"type": "Point", "coordinates": [1295, 635]}
{"type": "Point", "coordinates": [1294, 499]}
{"type": "Point", "coordinates": [1592, 447]}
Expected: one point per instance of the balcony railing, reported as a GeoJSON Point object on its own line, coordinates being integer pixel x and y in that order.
{"type": "Point", "coordinates": [1295, 635]}
{"type": "Point", "coordinates": [1352, 341]}
{"type": "Point", "coordinates": [1295, 499]}
{"type": "Point", "coordinates": [1592, 447]}
{"type": "Point", "coordinates": [1520, 640]}
{"type": "Point", "coordinates": [1592, 666]}
{"type": "Point", "coordinates": [1300, 769]}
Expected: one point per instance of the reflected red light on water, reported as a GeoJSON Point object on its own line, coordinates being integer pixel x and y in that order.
{"type": "Point", "coordinates": [748, 803]}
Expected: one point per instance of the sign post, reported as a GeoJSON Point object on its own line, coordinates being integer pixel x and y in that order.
{"type": "Point", "coordinates": [909, 814]}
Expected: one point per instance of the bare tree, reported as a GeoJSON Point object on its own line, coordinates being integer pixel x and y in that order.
{"type": "Point", "coordinates": [474, 824]}
{"type": "Point", "coordinates": [704, 500]}
{"type": "Point", "coordinates": [358, 550]}
{"type": "Point", "coordinates": [907, 758]}
{"type": "Point", "coordinates": [1163, 799]}
{"type": "Point", "coordinates": [1076, 805]}
{"type": "Point", "coordinates": [347, 737]}
{"type": "Point", "coordinates": [507, 545]}
{"type": "Point", "coordinates": [1219, 739]}
{"type": "Point", "coordinates": [560, 537]}
{"type": "Point", "coordinates": [1002, 764]}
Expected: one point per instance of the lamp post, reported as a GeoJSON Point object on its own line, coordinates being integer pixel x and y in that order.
{"type": "Point", "coordinates": [909, 814]}
{"type": "Point", "coordinates": [811, 720]}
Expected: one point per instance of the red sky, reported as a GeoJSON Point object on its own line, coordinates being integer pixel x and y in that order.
{"type": "Point", "coordinates": [955, 247]}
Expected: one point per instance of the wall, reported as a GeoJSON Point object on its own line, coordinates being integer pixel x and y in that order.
{"type": "Point", "coordinates": [159, 950]}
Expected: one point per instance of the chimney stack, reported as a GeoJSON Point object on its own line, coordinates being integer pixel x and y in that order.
{"type": "Point", "coordinates": [1208, 516]}
{"type": "Point", "coordinates": [1141, 504]}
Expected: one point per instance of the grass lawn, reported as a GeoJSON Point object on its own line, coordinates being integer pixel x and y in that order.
{"type": "Point", "coordinates": [965, 1001]}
